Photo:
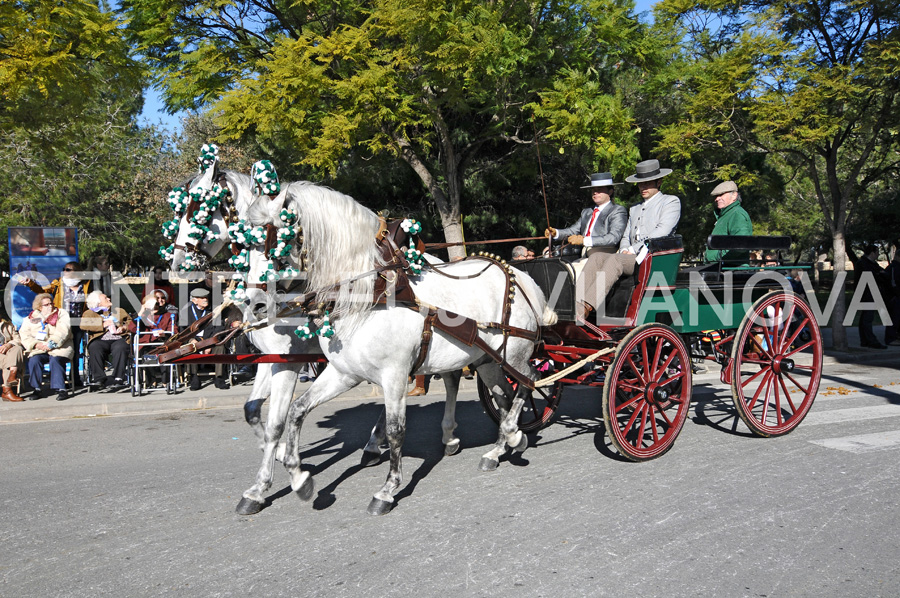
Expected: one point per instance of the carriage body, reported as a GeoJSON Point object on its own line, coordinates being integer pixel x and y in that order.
{"type": "Point", "coordinates": [660, 326]}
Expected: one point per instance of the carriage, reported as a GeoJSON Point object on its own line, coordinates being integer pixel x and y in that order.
{"type": "Point", "coordinates": [662, 324]}
{"type": "Point", "coordinates": [515, 325]}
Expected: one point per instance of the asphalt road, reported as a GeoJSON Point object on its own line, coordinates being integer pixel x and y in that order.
{"type": "Point", "coordinates": [143, 505]}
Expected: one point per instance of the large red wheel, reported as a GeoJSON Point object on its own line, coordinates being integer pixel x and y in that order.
{"type": "Point", "coordinates": [539, 407]}
{"type": "Point", "coordinates": [647, 394]}
{"type": "Point", "coordinates": [777, 364]}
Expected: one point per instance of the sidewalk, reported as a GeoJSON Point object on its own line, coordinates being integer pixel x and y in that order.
{"type": "Point", "coordinates": [95, 404]}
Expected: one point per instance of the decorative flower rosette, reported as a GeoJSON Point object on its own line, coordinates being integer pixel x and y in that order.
{"type": "Point", "coordinates": [288, 216]}
{"type": "Point", "coordinates": [270, 274]}
{"type": "Point", "coordinates": [179, 200]}
{"type": "Point", "coordinates": [239, 292]}
{"type": "Point", "coordinates": [308, 330]}
{"type": "Point", "coordinates": [242, 233]}
{"type": "Point", "coordinates": [170, 229]}
{"type": "Point", "coordinates": [285, 236]}
{"type": "Point", "coordinates": [414, 257]}
{"type": "Point", "coordinates": [411, 227]}
{"type": "Point", "coordinates": [201, 233]}
{"type": "Point", "coordinates": [190, 263]}
{"type": "Point", "coordinates": [209, 155]}
{"type": "Point", "coordinates": [241, 261]}
{"type": "Point", "coordinates": [266, 179]}
{"type": "Point", "coordinates": [167, 253]}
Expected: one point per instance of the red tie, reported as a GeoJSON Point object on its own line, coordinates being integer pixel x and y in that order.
{"type": "Point", "coordinates": [590, 227]}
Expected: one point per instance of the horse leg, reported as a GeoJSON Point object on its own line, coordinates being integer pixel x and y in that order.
{"type": "Point", "coordinates": [448, 424]}
{"type": "Point", "coordinates": [395, 427]}
{"type": "Point", "coordinates": [372, 452]}
{"type": "Point", "coordinates": [327, 386]}
{"type": "Point", "coordinates": [281, 381]}
{"type": "Point", "coordinates": [501, 390]}
{"type": "Point", "coordinates": [258, 395]}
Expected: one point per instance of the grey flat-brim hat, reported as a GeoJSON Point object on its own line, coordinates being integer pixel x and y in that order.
{"type": "Point", "coordinates": [200, 293]}
{"type": "Point", "coordinates": [648, 170]}
{"type": "Point", "coordinates": [726, 187]}
{"type": "Point", "coordinates": [601, 179]}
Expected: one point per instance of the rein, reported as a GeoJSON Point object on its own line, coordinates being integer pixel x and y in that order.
{"type": "Point", "coordinates": [457, 244]}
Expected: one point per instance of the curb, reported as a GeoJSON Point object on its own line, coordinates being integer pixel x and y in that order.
{"type": "Point", "coordinates": [90, 405]}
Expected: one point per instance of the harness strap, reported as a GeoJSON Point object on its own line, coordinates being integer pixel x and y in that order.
{"type": "Point", "coordinates": [427, 334]}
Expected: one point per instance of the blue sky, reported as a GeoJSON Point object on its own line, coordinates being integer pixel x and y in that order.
{"type": "Point", "coordinates": [155, 114]}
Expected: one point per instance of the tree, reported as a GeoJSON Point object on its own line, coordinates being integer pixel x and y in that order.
{"type": "Point", "coordinates": [447, 87]}
{"type": "Point", "coordinates": [74, 155]}
{"type": "Point", "coordinates": [815, 83]}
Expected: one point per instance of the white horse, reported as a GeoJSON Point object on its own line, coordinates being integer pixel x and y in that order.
{"type": "Point", "coordinates": [380, 344]}
{"type": "Point", "coordinates": [277, 382]}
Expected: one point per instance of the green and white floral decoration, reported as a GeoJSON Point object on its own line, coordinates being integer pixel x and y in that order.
{"type": "Point", "coordinates": [413, 256]}
{"type": "Point", "coordinates": [208, 201]}
{"type": "Point", "coordinates": [309, 330]}
{"type": "Point", "coordinates": [266, 179]}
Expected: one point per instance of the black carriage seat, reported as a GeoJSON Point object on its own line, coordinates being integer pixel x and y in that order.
{"type": "Point", "coordinates": [714, 273]}
{"type": "Point", "coordinates": [556, 277]}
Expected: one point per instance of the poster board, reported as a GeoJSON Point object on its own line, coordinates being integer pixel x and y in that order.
{"type": "Point", "coordinates": [38, 253]}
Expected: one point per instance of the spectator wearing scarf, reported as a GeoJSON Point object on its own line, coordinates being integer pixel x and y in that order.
{"type": "Point", "coordinates": [47, 337]}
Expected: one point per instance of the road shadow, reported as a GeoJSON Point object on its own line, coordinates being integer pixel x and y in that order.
{"type": "Point", "coordinates": [715, 409]}
{"type": "Point", "coordinates": [351, 427]}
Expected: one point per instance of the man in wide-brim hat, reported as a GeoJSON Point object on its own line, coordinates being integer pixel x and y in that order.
{"type": "Point", "coordinates": [599, 229]}
{"type": "Point", "coordinates": [656, 216]}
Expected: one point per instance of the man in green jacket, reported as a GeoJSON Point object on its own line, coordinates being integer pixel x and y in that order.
{"type": "Point", "coordinates": [731, 219]}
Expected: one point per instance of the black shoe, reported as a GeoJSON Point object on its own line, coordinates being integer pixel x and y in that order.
{"type": "Point", "coordinates": [195, 382]}
{"type": "Point", "coordinates": [117, 385]}
{"type": "Point", "coordinates": [35, 395]}
{"type": "Point", "coordinates": [875, 345]}
{"type": "Point", "coordinates": [220, 383]}
{"type": "Point", "coordinates": [62, 396]}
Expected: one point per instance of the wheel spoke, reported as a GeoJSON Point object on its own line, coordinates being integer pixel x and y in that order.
{"type": "Point", "coordinates": [798, 349]}
{"type": "Point", "coordinates": [768, 399]}
{"type": "Point", "coordinates": [633, 417]}
{"type": "Point", "coordinates": [634, 369]}
{"type": "Point", "coordinates": [662, 369]}
{"type": "Point", "coordinates": [787, 325]}
{"type": "Point", "coordinates": [653, 424]}
{"type": "Point", "coordinates": [752, 338]}
{"type": "Point", "coordinates": [653, 365]}
{"type": "Point", "coordinates": [787, 394]}
{"type": "Point", "coordinates": [628, 403]}
{"type": "Point", "coordinates": [797, 332]}
{"type": "Point", "coordinates": [762, 385]}
{"type": "Point", "coordinates": [640, 436]}
{"type": "Point", "coordinates": [751, 378]}
{"type": "Point", "coordinates": [775, 380]}
{"type": "Point", "coordinates": [797, 384]}
{"type": "Point", "coordinates": [648, 374]}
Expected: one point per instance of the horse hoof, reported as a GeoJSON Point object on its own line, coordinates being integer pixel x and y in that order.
{"type": "Point", "coordinates": [369, 459]}
{"type": "Point", "coordinates": [248, 506]}
{"type": "Point", "coordinates": [305, 491]}
{"type": "Point", "coordinates": [488, 464]}
{"type": "Point", "coordinates": [451, 448]}
{"type": "Point", "coordinates": [379, 507]}
{"type": "Point", "coordinates": [522, 444]}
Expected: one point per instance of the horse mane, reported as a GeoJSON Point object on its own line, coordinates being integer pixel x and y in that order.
{"type": "Point", "coordinates": [339, 240]}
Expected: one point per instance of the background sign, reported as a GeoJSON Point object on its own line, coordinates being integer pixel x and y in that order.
{"type": "Point", "coordinates": [39, 254]}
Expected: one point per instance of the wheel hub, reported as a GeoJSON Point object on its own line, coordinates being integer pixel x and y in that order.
{"type": "Point", "coordinates": [783, 365]}
{"type": "Point", "coordinates": [657, 394]}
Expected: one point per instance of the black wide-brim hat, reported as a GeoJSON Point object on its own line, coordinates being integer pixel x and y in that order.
{"type": "Point", "coordinates": [601, 179]}
{"type": "Point", "coordinates": [648, 170]}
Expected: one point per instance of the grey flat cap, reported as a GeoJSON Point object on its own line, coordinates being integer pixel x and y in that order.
{"type": "Point", "coordinates": [725, 187]}
{"type": "Point", "coordinates": [200, 293]}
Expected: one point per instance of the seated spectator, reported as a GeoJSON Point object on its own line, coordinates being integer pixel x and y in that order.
{"type": "Point", "coordinates": [158, 280]}
{"type": "Point", "coordinates": [193, 311]}
{"type": "Point", "coordinates": [12, 359]}
{"type": "Point", "coordinates": [156, 324]}
{"type": "Point", "coordinates": [108, 332]}
{"type": "Point", "coordinates": [69, 292]}
{"type": "Point", "coordinates": [47, 338]}
{"type": "Point", "coordinates": [520, 252]}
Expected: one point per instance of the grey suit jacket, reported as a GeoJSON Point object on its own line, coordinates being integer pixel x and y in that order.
{"type": "Point", "coordinates": [608, 229]}
{"type": "Point", "coordinates": [656, 217]}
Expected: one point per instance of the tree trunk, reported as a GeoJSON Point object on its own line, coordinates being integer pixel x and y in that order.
{"type": "Point", "coordinates": [839, 333]}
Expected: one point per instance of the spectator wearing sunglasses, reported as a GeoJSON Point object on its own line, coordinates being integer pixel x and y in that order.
{"type": "Point", "coordinates": [69, 293]}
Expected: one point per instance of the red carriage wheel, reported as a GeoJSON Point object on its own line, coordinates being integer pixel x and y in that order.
{"type": "Point", "coordinates": [539, 407]}
{"type": "Point", "coordinates": [647, 394]}
{"type": "Point", "coordinates": [777, 364]}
